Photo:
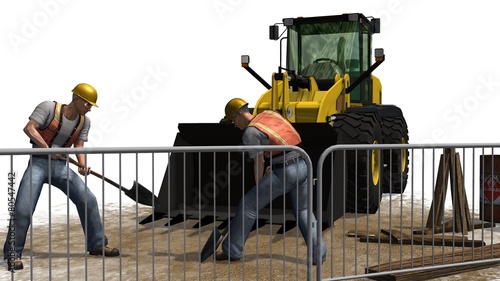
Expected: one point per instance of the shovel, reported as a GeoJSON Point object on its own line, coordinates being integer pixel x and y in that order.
{"type": "Point", "coordinates": [213, 243]}
{"type": "Point", "coordinates": [138, 193]}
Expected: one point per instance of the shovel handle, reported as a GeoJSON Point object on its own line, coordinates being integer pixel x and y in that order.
{"type": "Point", "coordinates": [137, 193]}
{"type": "Point", "coordinates": [73, 161]}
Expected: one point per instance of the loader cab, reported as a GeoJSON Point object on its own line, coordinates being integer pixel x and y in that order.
{"type": "Point", "coordinates": [322, 47]}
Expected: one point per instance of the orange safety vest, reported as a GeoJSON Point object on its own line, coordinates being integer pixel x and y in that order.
{"type": "Point", "coordinates": [278, 129]}
{"type": "Point", "coordinates": [52, 130]}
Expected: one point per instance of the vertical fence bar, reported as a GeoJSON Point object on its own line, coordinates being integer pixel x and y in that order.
{"type": "Point", "coordinates": [153, 254]}
{"type": "Point", "coordinates": [169, 216]}
{"type": "Point", "coordinates": [67, 222]}
{"type": "Point", "coordinates": [50, 218]}
{"type": "Point", "coordinates": [199, 216]}
{"type": "Point", "coordinates": [120, 238]}
{"type": "Point", "coordinates": [103, 209]}
{"type": "Point", "coordinates": [184, 198]}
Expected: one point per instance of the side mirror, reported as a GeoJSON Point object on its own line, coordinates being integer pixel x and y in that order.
{"type": "Point", "coordinates": [379, 54]}
{"type": "Point", "coordinates": [375, 25]}
{"type": "Point", "coordinates": [245, 60]}
{"type": "Point", "coordinates": [274, 32]}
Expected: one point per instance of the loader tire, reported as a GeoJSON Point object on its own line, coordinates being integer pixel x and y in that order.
{"type": "Point", "coordinates": [396, 161]}
{"type": "Point", "coordinates": [363, 167]}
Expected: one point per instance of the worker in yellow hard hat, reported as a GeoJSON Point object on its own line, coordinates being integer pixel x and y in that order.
{"type": "Point", "coordinates": [287, 173]}
{"type": "Point", "coordinates": [51, 125]}
{"type": "Point", "coordinates": [87, 93]}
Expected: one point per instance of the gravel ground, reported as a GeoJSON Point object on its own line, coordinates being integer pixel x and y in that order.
{"type": "Point", "coordinates": [171, 257]}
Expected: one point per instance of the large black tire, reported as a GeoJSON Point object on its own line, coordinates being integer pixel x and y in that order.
{"type": "Point", "coordinates": [363, 167]}
{"type": "Point", "coordinates": [396, 161]}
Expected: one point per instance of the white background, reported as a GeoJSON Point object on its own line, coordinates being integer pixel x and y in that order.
{"type": "Point", "coordinates": [159, 63]}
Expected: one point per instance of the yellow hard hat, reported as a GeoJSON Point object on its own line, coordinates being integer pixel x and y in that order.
{"type": "Point", "coordinates": [232, 107]}
{"type": "Point", "coordinates": [86, 92]}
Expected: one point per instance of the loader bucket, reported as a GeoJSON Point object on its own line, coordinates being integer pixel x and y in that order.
{"type": "Point", "coordinates": [202, 182]}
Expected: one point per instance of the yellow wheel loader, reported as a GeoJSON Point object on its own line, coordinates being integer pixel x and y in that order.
{"type": "Point", "coordinates": [327, 91]}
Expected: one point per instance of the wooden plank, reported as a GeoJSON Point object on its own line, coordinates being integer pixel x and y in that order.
{"type": "Point", "coordinates": [434, 273]}
{"type": "Point", "coordinates": [437, 228]}
{"type": "Point", "coordinates": [463, 194]}
{"type": "Point", "coordinates": [456, 257]}
{"type": "Point", "coordinates": [395, 236]}
{"type": "Point", "coordinates": [448, 227]}
{"type": "Point", "coordinates": [441, 236]}
{"type": "Point", "coordinates": [467, 254]}
{"type": "Point", "coordinates": [457, 242]}
{"type": "Point", "coordinates": [453, 242]}
{"type": "Point", "coordinates": [436, 211]}
{"type": "Point", "coordinates": [479, 224]}
{"type": "Point", "coordinates": [360, 233]}
{"type": "Point", "coordinates": [457, 193]}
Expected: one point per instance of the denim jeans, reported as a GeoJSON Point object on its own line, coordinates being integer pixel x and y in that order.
{"type": "Point", "coordinates": [290, 179]}
{"type": "Point", "coordinates": [65, 179]}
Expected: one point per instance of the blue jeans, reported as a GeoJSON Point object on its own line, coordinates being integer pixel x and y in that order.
{"type": "Point", "coordinates": [35, 176]}
{"type": "Point", "coordinates": [291, 179]}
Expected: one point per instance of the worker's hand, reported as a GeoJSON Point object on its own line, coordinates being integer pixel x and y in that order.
{"type": "Point", "coordinates": [56, 156]}
{"type": "Point", "coordinates": [84, 171]}
{"type": "Point", "coordinates": [63, 157]}
{"type": "Point", "coordinates": [268, 171]}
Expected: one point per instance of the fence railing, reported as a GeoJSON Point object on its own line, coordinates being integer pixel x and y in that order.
{"type": "Point", "coordinates": [440, 221]}
{"type": "Point", "coordinates": [384, 211]}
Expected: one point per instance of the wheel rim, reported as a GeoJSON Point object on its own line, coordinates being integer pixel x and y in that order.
{"type": "Point", "coordinates": [375, 155]}
{"type": "Point", "coordinates": [404, 156]}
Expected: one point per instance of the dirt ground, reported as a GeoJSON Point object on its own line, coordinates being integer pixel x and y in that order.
{"type": "Point", "coordinates": [171, 257]}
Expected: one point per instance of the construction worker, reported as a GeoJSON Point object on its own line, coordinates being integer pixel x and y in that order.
{"type": "Point", "coordinates": [287, 173]}
{"type": "Point", "coordinates": [53, 124]}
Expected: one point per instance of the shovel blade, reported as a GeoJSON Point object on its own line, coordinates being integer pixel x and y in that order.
{"type": "Point", "coordinates": [211, 245]}
{"type": "Point", "coordinates": [142, 195]}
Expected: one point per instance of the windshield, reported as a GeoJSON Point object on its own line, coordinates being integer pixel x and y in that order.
{"type": "Point", "coordinates": [324, 49]}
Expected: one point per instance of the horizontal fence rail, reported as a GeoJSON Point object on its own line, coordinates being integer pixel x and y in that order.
{"type": "Point", "coordinates": [386, 212]}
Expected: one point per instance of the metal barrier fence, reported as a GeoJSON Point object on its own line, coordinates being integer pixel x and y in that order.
{"type": "Point", "coordinates": [162, 241]}
{"type": "Point", "coordinates": [439, 219]}
{"type": "Point", "coordinates": [383, 211]}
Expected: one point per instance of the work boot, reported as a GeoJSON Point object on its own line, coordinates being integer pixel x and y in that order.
{"type": "Point", "coordinates": [314, 261]}
{"type": "Point", "coordinates": [16, 265]}
{"type": "Point", "coordinates": [108, 252]}
{"type": "Point", "coordinates": [221, 256]}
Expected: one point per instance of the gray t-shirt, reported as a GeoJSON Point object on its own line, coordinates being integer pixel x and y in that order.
{"type": "Point", "coordinates": [254, 136]}
{"type": "Point", "coordinates": [43, 115]}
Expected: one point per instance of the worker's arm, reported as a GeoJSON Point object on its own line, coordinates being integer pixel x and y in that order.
{"type": "Point", "coordinates": [31, 129]}
{"type": "Point", "coordinates": [259, 163]}
{"type": "Point", "coordinates": [81, 159]}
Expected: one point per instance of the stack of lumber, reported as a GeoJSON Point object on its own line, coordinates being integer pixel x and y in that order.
{"type": "Point", "coordinates": [432, 262]}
